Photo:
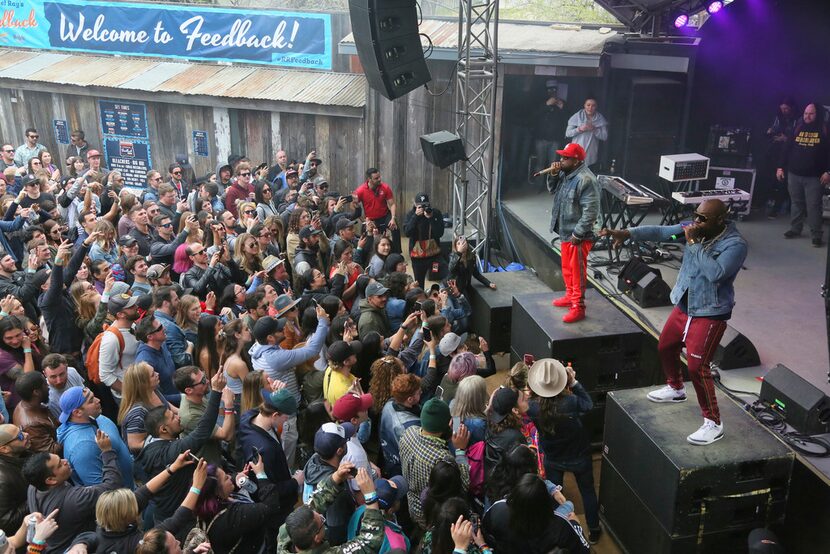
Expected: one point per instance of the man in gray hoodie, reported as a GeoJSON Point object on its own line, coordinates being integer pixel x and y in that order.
{"type": "Point", "coordinates": [279, 363]}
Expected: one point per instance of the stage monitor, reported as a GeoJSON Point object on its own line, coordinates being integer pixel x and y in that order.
{"type": "Point", "coordinates": [684, 167]}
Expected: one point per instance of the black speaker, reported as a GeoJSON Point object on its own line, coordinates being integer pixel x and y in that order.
{"type": "Point", "coordinates": [681, 492]}
{"type": "Point", "coordinates": [645, 284]}
{"type": "Point", "coordinates": [493, 309]}
{"type": "Point", "coordinates": [388, 44]}
{"type": "Point", "coordinates": [735, 351]}
{"type": "Point", "coordinates": [443, 148]}
{"type": "Point", "coordinates": [802, 404]}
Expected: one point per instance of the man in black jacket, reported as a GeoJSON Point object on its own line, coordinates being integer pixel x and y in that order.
{"type": "Point", "coordinates": [165, 242]}
{"type": "Point", "coordinates": [20, 284]}
{"type": "Point", "coordinates": [165, 427]}
{"type": "Point", "coordinates": [14, 450]}
{"type": "Point", "coordinates": [205, 276]}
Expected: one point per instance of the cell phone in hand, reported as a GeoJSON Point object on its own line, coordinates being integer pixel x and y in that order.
{"type": "Point", "coordinates": [427, 334]}
{"type": "Point", "coordinates": [529, 359]}
{"type": "Point", "coordinates": [419, 305]}
{"type": "Point", "coordinates": [456, 423]}
{"type": "Point", "coordinates": [476, 521]}
{"type": "Point", "coordinates": [193, 457]}
{"type": "Point", "coordinates": [353, 472]}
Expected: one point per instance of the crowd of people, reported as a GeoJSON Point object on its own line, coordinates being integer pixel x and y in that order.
{"type": "Point", "coordinates": [248, 362]}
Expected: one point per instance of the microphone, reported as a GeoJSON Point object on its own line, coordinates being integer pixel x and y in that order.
{"type": "Point", "coordinates": [555, 167]}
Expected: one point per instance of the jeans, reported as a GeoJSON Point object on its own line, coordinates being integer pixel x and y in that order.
{"type": "Point", "coordinates": [805, 203]}
{"type": "Point", "coordinates": [583, 471]}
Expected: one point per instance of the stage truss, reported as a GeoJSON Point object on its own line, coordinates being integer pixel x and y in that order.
{"type": "Point", "coordinates": [475, 100]}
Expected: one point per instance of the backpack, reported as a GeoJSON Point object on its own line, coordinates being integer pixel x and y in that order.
{"type": "Point", "coordinates": [93, 354]}
{"type": "Point", "coordinates": [475, 455]}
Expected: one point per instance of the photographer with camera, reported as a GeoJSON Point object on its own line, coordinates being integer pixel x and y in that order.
{"type": "Point", "coordinates": [424, 226]}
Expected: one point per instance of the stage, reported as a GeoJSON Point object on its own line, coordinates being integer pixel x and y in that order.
{"type": "Point", "coordinates": [778, 305]}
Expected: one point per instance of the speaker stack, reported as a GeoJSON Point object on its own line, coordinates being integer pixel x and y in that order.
{"type": "Point", "coordinates": [661, 495]}
{"type": "Point", "coordinates": [389, 45]}
{"type": "Point", "coordinates": [443, 148]}
{"type": "Point", "coordinates": [644, 284]}
{"type": "Point", "coordinates": [802, 404]}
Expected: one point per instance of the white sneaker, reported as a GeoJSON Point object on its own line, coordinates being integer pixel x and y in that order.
{"type": "Point", "coordinates": [668, 394]}
{"type": "Point", "coordinates": [708, 433]}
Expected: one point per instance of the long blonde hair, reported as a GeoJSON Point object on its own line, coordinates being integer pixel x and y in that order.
{"type": "Point", "coordinates": [252, 384]}
{"type": "Point", "coordinates": [185, 303]}
{"type": "Point", "coordinates": [116, 510]}
{"type": "Point", "coordinates": [249, 263]}
{"type": "Point", "coordinates": [136, 388]}
{"type": "Point", "coordinates": [86, 308]}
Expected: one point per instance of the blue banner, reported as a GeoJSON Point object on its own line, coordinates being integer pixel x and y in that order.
{"type": "Point", "coordinates": [123, 119]}
{"type": "Point", "coordinates": [290, 39]}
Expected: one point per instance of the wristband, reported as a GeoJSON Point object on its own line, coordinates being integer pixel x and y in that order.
{"type": "Point", "coordinates": [195, 491]}
{"type": "Point", "coordinates": [370, 498]}
{"type": "Point", "coordinates": [105, 297]}
{"type": "Point", "coordinates": [460, 451]}
{"type": "Point", "coordinates": [458, 551]}
{"type": "Point", "coordinates": [262, 476]}
{"type": "Point", "coordinates": [4, 314]}
{"type": "Point", "coordinates": [229, 412]}
{"type": "Point", "coordinates": [27, 350]}
{"type": "Point", "coordinates": [433, 357]}
{"type": "Point", "coordinates": [38, 542]}
{"type": "Point", "coordinates": [168, 470]}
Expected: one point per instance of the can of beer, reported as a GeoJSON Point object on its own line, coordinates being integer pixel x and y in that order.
{"type": "Point", "coordinates": [31, 522]}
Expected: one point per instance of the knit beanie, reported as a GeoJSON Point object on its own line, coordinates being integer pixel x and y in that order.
{"type": "Point", "coordinates": [435, 416]}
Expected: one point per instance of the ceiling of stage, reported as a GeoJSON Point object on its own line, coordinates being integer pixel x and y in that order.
{"type": "Point", "coordinates": [638, 14]}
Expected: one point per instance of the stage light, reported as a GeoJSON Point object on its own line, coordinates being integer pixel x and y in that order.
{"type": "Point", "coordinates": [714, 7]}
{"type": "Point", "coordinates": [681, 21]}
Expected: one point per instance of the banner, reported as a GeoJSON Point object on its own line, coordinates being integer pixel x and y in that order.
{"type": "Point", "coordinates": [270, 37]}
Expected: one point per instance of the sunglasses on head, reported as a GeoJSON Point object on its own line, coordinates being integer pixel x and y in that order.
{"type": "Point", "coordinates": [18, 437]}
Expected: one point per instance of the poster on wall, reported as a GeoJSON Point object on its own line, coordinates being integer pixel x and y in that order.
{"type": "Point", "coordinates": [196, 32]}
{"type": "Point", "coordinates": [61, 129]}
{"type": "Point", "coordinates": [200, 143]}
{"type": "Point", "coordinates": [131, 158]}
{"type": "Point", "coordinates": [123, 119]}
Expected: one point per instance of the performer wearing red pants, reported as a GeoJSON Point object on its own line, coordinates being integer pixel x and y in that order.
{"type": "Point", "coordinates": [574, 213]}
{"type": "Point", "coordinates": [704, 296]}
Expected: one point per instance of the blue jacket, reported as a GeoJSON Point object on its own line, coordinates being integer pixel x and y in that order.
{"type": "Point", "coordinates": [390, 528]}
{"type": "Point", "coordinates": [394, 420]}
{"type": "Point", "coordinates": [80, 449]}
{"type": "Point", "coordinates": [162, 362]}
{"type": "Point", "coordinates": [575, 204]}
{"type": "Point", "coordinates": [8, 227]}
{"type": "Point", "coordinates": [279, 363]}
{"type": "Point", "coordinates": [708, 270]}
{"type": "Point", "coordinates": [176, 342]}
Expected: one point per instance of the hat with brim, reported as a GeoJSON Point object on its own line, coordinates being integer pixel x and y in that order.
{"type": "Point", "coordinates": [573, 150]}
{"type": "Point", "coordinates": [281, 400]}
{"type": "Point", "coordinates": [503, 402]}
{"type": "Point", "coordinates": [450, 342]}
{"type": "Point", "coordinates": [70, 401]}
{"type": "Point", "coordinates": [391, 490]}
{"type": "Point", "coordinates": [547, 377]}
{"type": "Point", "coordinates": [270, 263]}
{"type": "Point", "coordinates": [284, 303]}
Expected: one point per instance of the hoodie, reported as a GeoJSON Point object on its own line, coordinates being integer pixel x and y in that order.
{"type": "Point", "coordinates": [251, 436]}
{"type": "Point", "coordinates": [81, 450]}
{"type": "Point", "coordinates": [279, 363]}
{"type": "Point", "coordinates": [372, 319]}
{"type": "Point", "coordinates": [156, 454]}
{"type": "Point", "coordinates": [340, 510]}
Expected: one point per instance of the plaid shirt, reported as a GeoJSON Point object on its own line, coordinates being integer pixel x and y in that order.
{"type": "Point", "coordinates": [419, 454]}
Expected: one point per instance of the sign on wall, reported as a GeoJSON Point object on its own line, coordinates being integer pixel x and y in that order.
{"type": "Point", "coordinates": [123, 119]}
{"type": "Point", "coordinates": [200, 143]}
{"type": "Point", "coordinates": [292, 39]}
{"type": "Point", "coordinates": [131, 158]}
{"type": "Point", "coordinates": [61, 131]}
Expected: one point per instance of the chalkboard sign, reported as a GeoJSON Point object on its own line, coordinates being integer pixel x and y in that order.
{"type": "Point", "coordinates": [61, 131]}
{"type": "Point", "coordinates": [131, 158]}
{"type": "Point", "coordinates": [123, 119]}
{"type": "Point", "coordinates": [200, 143]}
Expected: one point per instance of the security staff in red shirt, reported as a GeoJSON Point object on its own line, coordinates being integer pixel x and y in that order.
{"type": "Point", "coordinates": [379, 205]}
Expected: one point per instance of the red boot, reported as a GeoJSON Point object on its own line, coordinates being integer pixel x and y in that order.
{"type": "Point", "coordinates": [562, 302]}
{"type": "Point", "coordinates": [576, 313]}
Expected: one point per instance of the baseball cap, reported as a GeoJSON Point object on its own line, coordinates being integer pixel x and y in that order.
{"type": "Point", "coordinates": [8, 433]}
{"type": "Point", "coordinates": [71, 400]}
{"type": "Point", "coordinates": [376, 289]}
{"type": "Point", "coordinates": [119, 287]}
{"type": "Point", "coordinates": [283, 303]}
{"type": "Point", "coordinates": [92, 154]}
{"type": "Point", "coordinates": [349, 405]}
{"type": "Point", "coordinates": [422, 198]}
{"type": "Point", "coordinates": [271, 262]}
{"type": "Point", "coordinates": [291, 171]}
{"type": "Point", "coordinates": [391, 490]}
{"type": "Point", "coordinates": [330, 437]}
{"type": "Point", "coordinates": [155, 271]}
{"type": "Point", "coordinates": [343, 223]}
{"type": "Point", "coordinates": [121, 302]}
{"type": "Point", "coordinates": [573, 150]}
{"type": "Point", "coordinates": [281, 400]}
{"type": "Point", "coordinates": [127, 240]}
{"type": "Point", "coordinates": [308, 231]}
{"type": "Point", "coordinates": [340, 350]}
{"type": "Point", "coordinates": [504, 400]}
{"type": "Point", "coordinates": [450, 342]}
{"type": "Point", "coordinates": [547, 377]}
{"type": "Point", "coordinates": [266, 326]}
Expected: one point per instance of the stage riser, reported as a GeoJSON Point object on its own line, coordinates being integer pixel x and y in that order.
{"type": "Point", "coordinates": [740, 481]}
{"type": "Point", "coordinates": [534, 251]}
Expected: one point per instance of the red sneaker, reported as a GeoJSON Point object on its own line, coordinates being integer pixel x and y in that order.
{"type": "Point", "coordinates": [562, 302]}
{"type": "Point", "coordinates": [576, 313]}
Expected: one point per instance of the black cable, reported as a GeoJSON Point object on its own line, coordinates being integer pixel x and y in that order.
{"type": "Point", "coordinates": [449, 83]}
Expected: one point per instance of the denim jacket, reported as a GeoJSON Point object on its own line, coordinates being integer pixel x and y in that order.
{"type": "Point", "coordinates": [575, 204]}
{"type": "Point", "coordinates": [708, 270]}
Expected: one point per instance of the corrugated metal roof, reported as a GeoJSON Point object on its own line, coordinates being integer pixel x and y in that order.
{"type": "Point", "coordinates": [244, 82]}
{"type": "Point", "coordinates": [519, 38]}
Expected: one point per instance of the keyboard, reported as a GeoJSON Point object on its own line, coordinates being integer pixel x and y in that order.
{"type": "Point", "coordinates": [729, 196]}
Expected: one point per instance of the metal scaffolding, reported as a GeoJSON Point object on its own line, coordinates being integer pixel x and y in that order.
{"type": "Point", "coordinates": [475, 100]}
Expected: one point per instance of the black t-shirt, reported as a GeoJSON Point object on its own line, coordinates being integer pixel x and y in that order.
{"type": "Point", "coordinates": [44, 196]}
{"type": "Point", "coordinates": [559, 532]}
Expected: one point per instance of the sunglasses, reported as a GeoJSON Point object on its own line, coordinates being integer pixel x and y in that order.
{"type": "Point", "coordinates": [166, 225]}
{"type": "Point", "coordinates": [700, 217]}
{"type": "Point", "coordinates": [250, 212]}
{"type": "Point", "coordinates": [34, 136]}
{"type": "Point", "coordinates": [177, 173]}
{"type": "Point", "coordinates": [36, 162]}
{"type": "Point", "coordinates": [245, 174]}
{"type": "Point", "coordinates": [264, 307]}
{"type": "Point", "coordinates": [202, 382]}
{"type": "Point", "coordinates": [19, 437]}
{"type": "Point", "coordinates": [157, 329]}
{"type": "Point", "coordinates": [9, 150]}
{"type": "Point", "coordinates": [199, 252]}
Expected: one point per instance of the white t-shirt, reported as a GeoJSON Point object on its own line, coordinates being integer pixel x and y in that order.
{"type": "Point", "coordinates": [109, 369]}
